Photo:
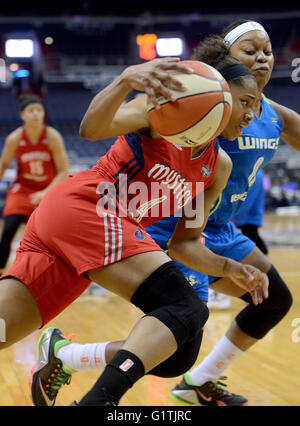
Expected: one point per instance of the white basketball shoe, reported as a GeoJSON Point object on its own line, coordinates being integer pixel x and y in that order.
{"type": "Point", "coordinates": [218, 301]}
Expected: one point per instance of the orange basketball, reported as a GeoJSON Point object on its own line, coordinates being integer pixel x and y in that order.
{"type": "Point", "coordinates": [200, 113]}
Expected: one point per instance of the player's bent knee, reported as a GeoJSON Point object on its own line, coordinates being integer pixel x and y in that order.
{"type": "Point", "coordinates": [19, 314]}
{"type": "Point", "coordinates": [167, 295]}
{"type": "Point", "coordinates": [181, 361]}
{"type": "Point", "coordinates": [185, 319]}
{"type": "Point", "coordinates": [256, 321]}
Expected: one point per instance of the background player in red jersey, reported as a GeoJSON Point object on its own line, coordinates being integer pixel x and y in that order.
{"type": "Point", "coordinates": [41, 163]}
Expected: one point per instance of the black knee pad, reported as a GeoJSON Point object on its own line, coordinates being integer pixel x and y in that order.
{"type": "Point", "coordinates": [256, 321]}
{"type": "Point", "coordinates": [181, 361]}
{"type": "Point", "coordinates": [167, 295]}
{"type": "Point", "coordinates": [251, 231]}
{"type": "Point", "coordinates": [10, 227]}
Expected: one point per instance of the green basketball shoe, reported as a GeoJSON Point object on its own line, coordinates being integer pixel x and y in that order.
{"type": "Point", "coordinates": [210, 393]}
{"type": "Point", "coordinates": [49, 374]}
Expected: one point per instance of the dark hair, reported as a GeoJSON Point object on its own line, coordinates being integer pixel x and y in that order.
{"type": "Point", "coordinates": [25, 100]}
{"type": "Point", "coordinates": [233, 25]}
{"type": "Point", "coordinates": [215, 52]}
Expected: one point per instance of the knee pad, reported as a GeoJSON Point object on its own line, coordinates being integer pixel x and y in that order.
{"type": "Point", "coordinates": [181, 361]}
{"type": "Point", "coordinates": [256, 321]}
{"type": "Point", "coordinates": [10, 227]}
{"type": "Point", "coordinates": [167, 295]}
{"type": "Point", "coordinates": [251, 231]}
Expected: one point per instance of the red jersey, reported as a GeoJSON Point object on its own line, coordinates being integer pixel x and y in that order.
{"type": "Point", "coordinates": [155, 177]}
{"type": "Point", "coordinates": [36, 168]}
{"type": "Point", "coordinates": [69, 234]}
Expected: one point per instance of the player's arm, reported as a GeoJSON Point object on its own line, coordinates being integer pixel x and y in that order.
{"type": "Point", "coordinates": [290, 125]}
{"type": "Point", "coordinates": [60, 159]}
{"type": "Point", "coordinates": [185, 245]}
{"type": "Point", "coordinates": [105, 119]}
{"type": "Point", "coordinates": [9, 150]}
{"type": "Point", "coordinates": [187, 248]}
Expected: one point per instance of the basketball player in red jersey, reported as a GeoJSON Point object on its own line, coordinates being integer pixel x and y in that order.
{"type": "Point", "coordinates": [73, 238]}
{"type": "Point", "coordinates": [41, 163]}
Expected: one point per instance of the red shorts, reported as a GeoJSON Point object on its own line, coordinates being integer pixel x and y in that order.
{"type": "Point", "coordinates": [18, 201]}
{"type": "Point", "coordinates": [65, 238]}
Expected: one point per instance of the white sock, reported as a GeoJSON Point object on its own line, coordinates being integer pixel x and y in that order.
{"type": "Point", "coordinates": [216, 362]}
{"type": "Point", "coordinates": [83, 357]}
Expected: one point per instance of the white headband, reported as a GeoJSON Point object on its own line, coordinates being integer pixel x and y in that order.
{"type": "Point", "coordinates": [237, 32]}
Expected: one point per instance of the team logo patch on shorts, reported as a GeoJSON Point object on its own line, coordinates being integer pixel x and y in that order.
{"type": "Point", "coordinates": [139, 234]}
{"type": "Point", "coordinates": [192, 279]}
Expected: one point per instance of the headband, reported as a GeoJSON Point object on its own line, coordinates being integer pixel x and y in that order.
{"type": "Point", "coordinates": [237, 32]}
{"type": "Point", "coordinates": [29, 101]}
{"type": "Point", "coordinates": [233, 71]}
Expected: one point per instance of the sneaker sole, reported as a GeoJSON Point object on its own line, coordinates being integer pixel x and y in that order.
{"type": "Point", "coordinates": [183, 401]}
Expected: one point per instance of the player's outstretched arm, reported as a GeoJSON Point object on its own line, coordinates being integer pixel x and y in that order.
{"type": "Point", "coordinates": [60, 158]}
{"type": "Point", "coordinates": [290, 125]}
{"type": "Point", "coordinates": [187, 248]}
{"type": "Point", "coordinates": [9, 150]}
{"type": "Point", "coordinates": [185, 245]}
{"type": "Point", "coordinates": [104, 118]}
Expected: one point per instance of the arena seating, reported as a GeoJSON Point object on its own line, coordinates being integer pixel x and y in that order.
{"type": "Point", "coordinates": [65, 109]}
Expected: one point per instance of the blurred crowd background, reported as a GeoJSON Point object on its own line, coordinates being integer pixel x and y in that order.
{"type": "Point", "coordinates": [81, 46]}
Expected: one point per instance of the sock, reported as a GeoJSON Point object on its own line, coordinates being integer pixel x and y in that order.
{"type": "Point", "coordinates": [215, 363]}
{"type": "Point", "coordinates": [118, 376]}
{"type": "Point", "coordinates": [83, 357]}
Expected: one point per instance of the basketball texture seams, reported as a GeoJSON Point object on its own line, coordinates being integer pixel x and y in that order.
{"type": "Point", "coordinates": [199, 113]}
{"type": "Point", "coordinates": [192, 83]}
{"type": "Point", "coordinates": [189, 116]}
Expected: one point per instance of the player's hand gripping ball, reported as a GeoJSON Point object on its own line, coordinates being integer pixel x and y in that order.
{"type": "Point", "coordinates": [200, 113]}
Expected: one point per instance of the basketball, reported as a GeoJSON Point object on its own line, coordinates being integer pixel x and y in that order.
{"type": "Point", "coordinates": [199, 113]}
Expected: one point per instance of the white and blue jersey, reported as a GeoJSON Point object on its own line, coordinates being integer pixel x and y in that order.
{"type": "Point", "coordinates": [252, 210]}
{"type": "Point", "coordinates": [249, 152]}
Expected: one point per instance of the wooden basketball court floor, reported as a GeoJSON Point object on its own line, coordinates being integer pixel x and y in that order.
{"type": "Point", "coordinates": [267, 374]}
